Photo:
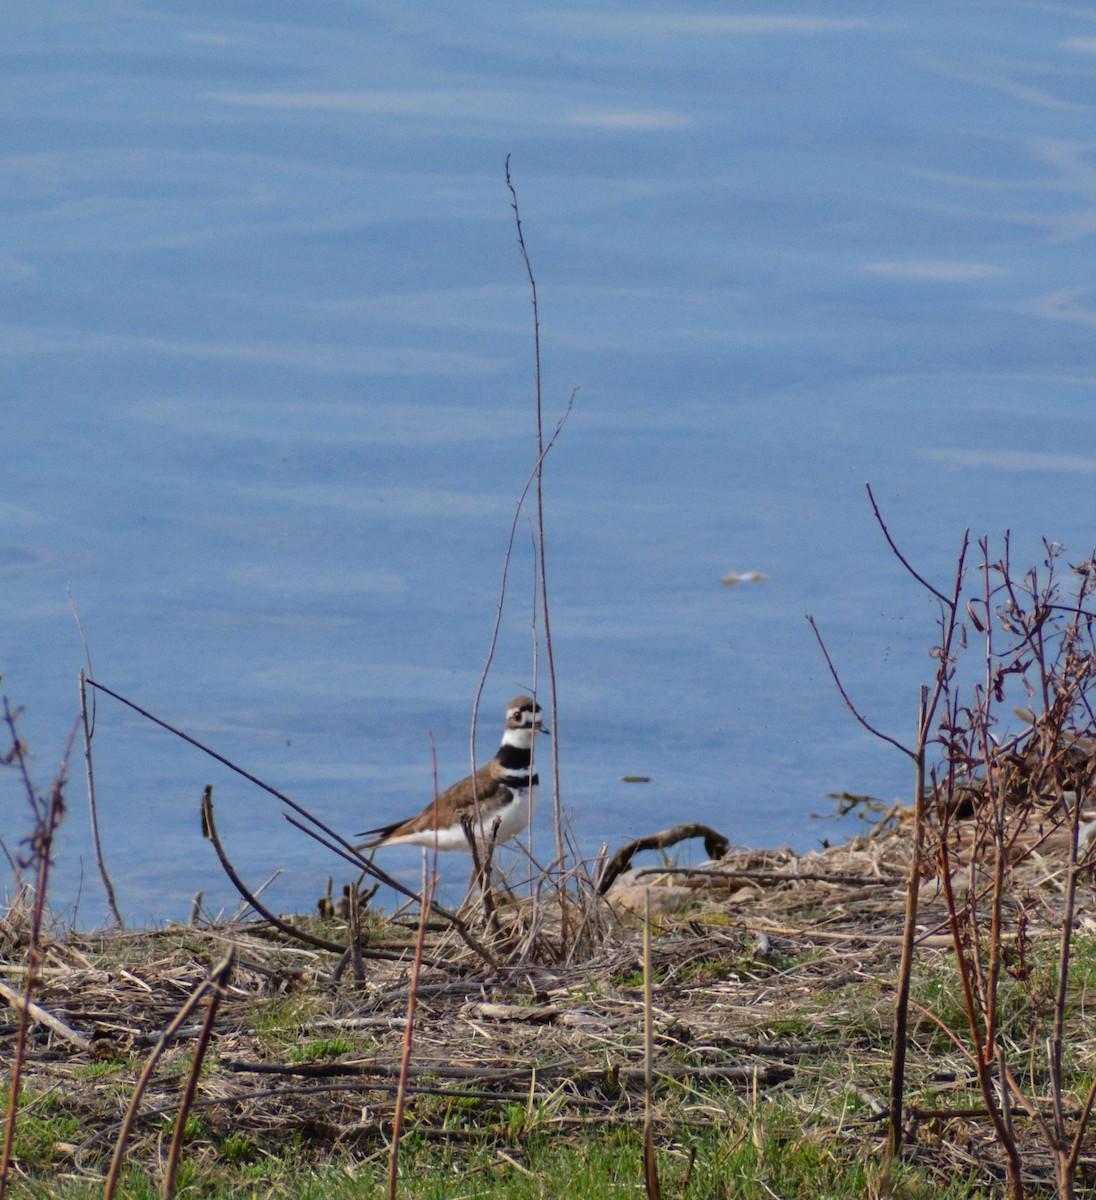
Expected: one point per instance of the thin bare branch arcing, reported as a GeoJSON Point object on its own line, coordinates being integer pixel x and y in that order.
{"type": "Point", "coordinates": [518, 507]}
{"type": "Point", "coordinates": [227, 762]}
{"type": "Point", "coordinates": [898, 553]}
{"type": "Point", "coordinates": [885, 737]}
{"type": "Point", "coordinates": [209, 828]}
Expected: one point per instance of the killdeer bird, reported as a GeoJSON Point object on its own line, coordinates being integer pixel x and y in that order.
{"type": "Point", "coordinates": [503, 790]}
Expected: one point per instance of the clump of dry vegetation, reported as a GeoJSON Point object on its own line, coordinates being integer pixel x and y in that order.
{"type": "Point", "coordinates": [773, 984]}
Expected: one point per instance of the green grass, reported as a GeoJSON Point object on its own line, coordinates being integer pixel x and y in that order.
{"type": "Point", "coordinates": [756, 1154]}
{"type": "Point", "coordinates": [42, 1132]}
{"type": "Point", "coordinates": [319, 1048]}
{"type": "Point", "coordinates": [278, 1022]}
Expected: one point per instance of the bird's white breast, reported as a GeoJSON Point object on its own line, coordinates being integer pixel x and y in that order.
{"type": "Point", "coordinates": [512, 817]}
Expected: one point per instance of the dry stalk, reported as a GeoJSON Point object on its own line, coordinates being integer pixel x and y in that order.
{"type": "Point", "coordinates": [93, 808]}
{"type": "Point", "coordinates": [354, 924]}
{"type": "Point", "coordinates": [212, 980]}
{"type": "Point", "coordinates": [429, 886]}
{"type": "Point", "coordinates": [539, 475]}
{"type": "Point", "coordinates": [218, 979]}
{"type": "Point", "coordinates": [650, 1156]}
{"type": "Point", "coordinates": [534, 483]}
{"type": "Point", "coordinates": [47, 814]}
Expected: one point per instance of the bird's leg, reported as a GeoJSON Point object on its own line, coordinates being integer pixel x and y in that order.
{"type": "Point", "coordinates": [490, 907]}
{"type": "Point", "coordinates": [481, 870]}
{"type": "Point", "coordinates": [467, 823]}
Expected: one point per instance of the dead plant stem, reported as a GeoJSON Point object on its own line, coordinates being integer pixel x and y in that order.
{"type": "Point", "coordinates": [130, 1118]}
{"type": "Point", "coordinates": [93, 807]}
{"type": "Point", "coordinates": [47, 818]}
{"type": "Point", "coordinates": [429, 884]}
{"type": "Point", "coordinates": [909, 933]}
{"type": "Point", "coordinates": [650, 1156]}
{"type": "Point", "coordinates": [549, 655]}
{"type": "Point", "coordinates": [218, 978]}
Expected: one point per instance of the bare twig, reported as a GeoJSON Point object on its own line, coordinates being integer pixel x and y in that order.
{"type": "Point", "coordinates": [883, 737]}
{"type": "Point", "coordinates": [209, 828]}
{"type": "Point", "coordinates": [227, 762]}
{"type": "Point", "coordinates": [898, 553]}
{"type": "Point", "coordinates": [218, 979]}
{"type": "Point", "coordinates": [429, 885]}
{"type": "Point", "coordinates": [48, 814]}
{"type": "Point", "coordinates": [650, 1155]}
{"type": "Point", "coordinates": [500, 606]}
{"type": "Point", "coordinates": [128, 1121]}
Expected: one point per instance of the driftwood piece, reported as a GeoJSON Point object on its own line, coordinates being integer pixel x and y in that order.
{"type": "Point", "coordinates": [527, 1014]}
{"type": "Point", "coordinates": [715, 846]}
{"type": "Point", "coordinates": [39, 1014]}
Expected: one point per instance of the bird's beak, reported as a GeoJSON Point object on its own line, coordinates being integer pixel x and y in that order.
{"type": "Point", "coordinates": [540, 727]}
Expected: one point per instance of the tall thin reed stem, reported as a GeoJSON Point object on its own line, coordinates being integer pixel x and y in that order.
{"type": "Point", "coordinates": [93, 807]}
{"type": "Point", "coordinates": [909, 931]}
{"type": "Point", "coordinates": [429, 884]}
{"type": "Point", "coordinates": [549, 655]}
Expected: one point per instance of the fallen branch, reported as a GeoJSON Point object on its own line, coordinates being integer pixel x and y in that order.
{"type": "Point", "coordinates": [715, 846]}
{"type": "Point", "coordinates": [37, 1013]}
{"type": "Point", "coordinates": [716, 875]}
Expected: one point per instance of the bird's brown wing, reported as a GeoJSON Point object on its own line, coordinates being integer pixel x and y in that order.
{"type": "Point", "coordinates": [447, 809]}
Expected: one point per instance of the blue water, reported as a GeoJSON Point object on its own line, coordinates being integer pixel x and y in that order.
{"type": "Point", "coordinates": [267, 355]}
